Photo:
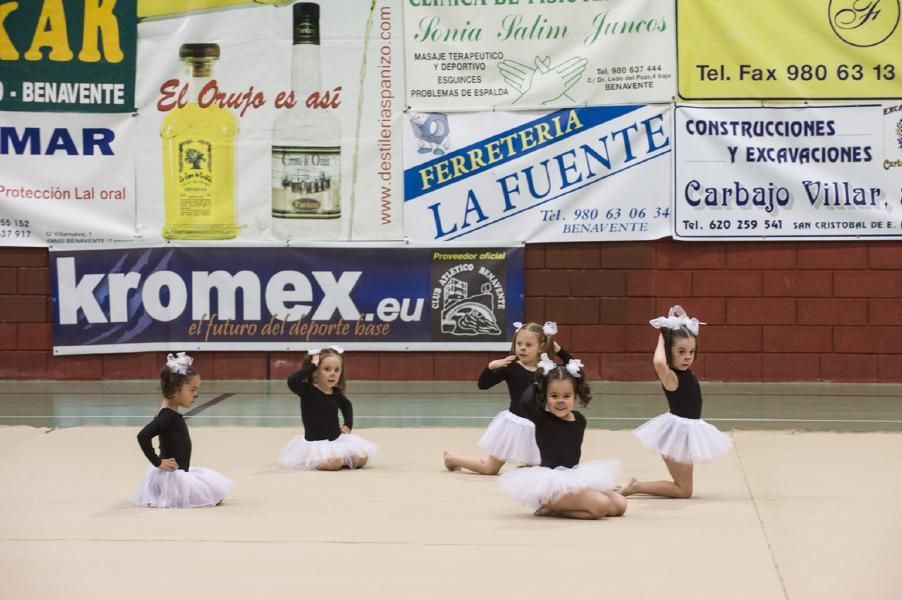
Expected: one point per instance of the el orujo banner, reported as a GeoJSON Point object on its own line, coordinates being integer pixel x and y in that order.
{"type": "Point", "coordinates": [276, 298]}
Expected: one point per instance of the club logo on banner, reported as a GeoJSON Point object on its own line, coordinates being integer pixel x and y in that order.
{"type": "Point", "coordinates": [278, 298]}
{"type": "Point", "coordinates": [468, 298]}
{"type": "Point", "coordinates": [595, 173]}
{"type": "Point", "coordinates": [68, 56]}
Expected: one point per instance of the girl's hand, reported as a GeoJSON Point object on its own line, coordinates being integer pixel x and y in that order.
{"type": "Point", "coordinates": [168, 464]}
{"type": "Point", "coordinates": [315, 360]}
{"type": "Point", "coordinates": [502, 362]}
{"type": "Point", "coordinates": [345, 429]}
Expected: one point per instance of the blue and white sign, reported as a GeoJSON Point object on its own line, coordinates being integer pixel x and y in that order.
{"type": "Point", "coordinates": [277, 298]}
{"type": "Point", "coordinates": [786, 173]}
{"type": "Point", "coordinates": [581, 174]}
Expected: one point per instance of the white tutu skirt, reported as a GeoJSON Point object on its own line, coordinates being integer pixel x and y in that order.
{"type": "Point", "coordinates": [299, 453]}
{"type": "Point", "coordinates": [688, 441]}
{"type": "Point", "coordinates": [181, 489]}
{"type": "Point", "coordinates": [512, 439]}
{"type": "Point", "coordinates": [537, 486]}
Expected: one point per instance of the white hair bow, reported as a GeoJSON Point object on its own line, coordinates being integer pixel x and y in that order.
{"type": "Point", "coordinates": [677, 318]}
{"type": "Point", "coordinates": [550, 328]}
{"type": "Point", "coordinates": [338, 349]}
{"type": "Point", "coordinates": [313, 351]}
{"type": "Point", "coordinates": [518, 325]}
{"type": "Point", "coordinates": [546, 364]}
{"type": "Point", "coordinates": [574, 366]}
{"type": "Point", "coordinates": [179, 364]}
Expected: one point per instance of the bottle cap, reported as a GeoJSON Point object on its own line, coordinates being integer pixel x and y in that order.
{"type": "Point", "coordinates": [306, 23]}
{"type": "Point", "coordinates": [199, 51]}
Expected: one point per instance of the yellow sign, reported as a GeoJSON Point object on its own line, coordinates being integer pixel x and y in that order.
{"type": "Point", "coordinates": [793, 50]}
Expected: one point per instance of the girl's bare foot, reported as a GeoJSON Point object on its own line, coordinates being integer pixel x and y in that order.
{"type": "Point", "coordinates": [629, 488]}
{"type": "Point", "coordinates": [543, 511]}
{"type": "Point", "coordinates": [449, 461]}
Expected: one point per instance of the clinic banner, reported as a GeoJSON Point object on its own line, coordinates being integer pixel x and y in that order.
{"type": "Point", "coordinates": [269, 122]}
{"type": "Point", "coordinates": [813, 173]}
{"type": "Point", "coordinates": [67, 56]}
{"type": "Point", "coordinates": [525, 54]}
{"type": "Point", "coordinates": [387, 297]}
{"type": "Point", "coordinates": [799, 50]}
{"type": "Point", "coordinates": [66, 178]}
{"type": "Point", "coordinates": [596, 173]}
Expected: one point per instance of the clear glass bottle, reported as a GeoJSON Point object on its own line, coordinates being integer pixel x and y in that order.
{"type": "Point", "coordinates": [306, 146]}
{"type": "Point", "coordinates": [199, 158]}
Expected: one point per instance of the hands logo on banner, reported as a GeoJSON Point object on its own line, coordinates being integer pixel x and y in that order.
{"type": "Point", "coordinates": [532, 83]}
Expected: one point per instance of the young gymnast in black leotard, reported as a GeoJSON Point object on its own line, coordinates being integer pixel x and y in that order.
{"type": "Point", "coordinates": [170, 482]}
{"type": "Point", "coordinates": [680, 436]}
{"type": "Point", "coordinates": [561, 486]}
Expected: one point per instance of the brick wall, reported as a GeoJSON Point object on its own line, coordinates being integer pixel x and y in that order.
{"type": "Point", "coordinates": [775, 312]}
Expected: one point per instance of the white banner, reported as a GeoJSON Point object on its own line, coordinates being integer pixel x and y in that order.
{"type": "Point", "coordinates": [787, 173]}
{"type": "Point", "coordinates": [597, 173]}
{"type": "Point", "coordinates": [66, 178]}
{"type": "Point", "coordinates": [259, 74]}
{"type": "Point", "coordinates": [538, 55]}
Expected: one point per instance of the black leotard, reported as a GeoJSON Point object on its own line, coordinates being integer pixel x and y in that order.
{"type": "Point", "coordinates": [518, 379]}
{"type": "Point", "coordinates": [319, 411]}
{"type": "Point", "coordinates": [175, 442]}
{"type": "Point", "coordinates": [686, 400]}
{"type": "Point", "coordinates": [559, 441]}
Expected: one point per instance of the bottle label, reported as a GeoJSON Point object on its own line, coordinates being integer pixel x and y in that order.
{"type": "Point", "coordinates": [195, 177]}
{"type": "Point", "coordinates": [306, 182]}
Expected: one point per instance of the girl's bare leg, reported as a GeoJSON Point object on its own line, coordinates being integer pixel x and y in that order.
{"type": "Point", "coordinates": [330, 465]}
{"type": "Point", "coordinates": [618, 504]}
{"type": "Point", "coordinates": [483, 466]}
{"type": "Point", "coordinates": [680, 487]}
{"type": "Point", "coordinates": [585, 504]}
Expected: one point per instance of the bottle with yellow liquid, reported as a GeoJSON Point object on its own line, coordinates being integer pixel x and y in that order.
{"type": "Point", "coordinates": [199, 158]}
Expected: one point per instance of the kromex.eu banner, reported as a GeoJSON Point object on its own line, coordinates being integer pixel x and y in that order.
{"type": "Point", "coordinates": [67, 55]}
{"type": "Point", "coordinates": [278, 298]}
{"type": "Point", "coordinates": [66, 179]}
{"type": "Point", "coordinates": [525, 54]}
{"type": "Point", "coordinates": [803, 49]}
{"type": "Point", "coordinates": [788, 173]}
{"type": "Point", "coordinates": [596, 173]}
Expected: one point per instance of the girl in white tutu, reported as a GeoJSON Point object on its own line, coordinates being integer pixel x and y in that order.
{"type": "Point", "coordinates": [326, 445]}
{"type": "Point", "coordinates": [561, 487]}
{"type": "Point", "coordinates": [510, 437]}
{"type": "Point", "coordinates": [680, 436]}
{"type": "Point", "coordinates": [169, 483]}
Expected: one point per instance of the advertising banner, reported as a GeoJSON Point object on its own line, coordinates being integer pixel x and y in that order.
{"type": "Point", "coordinates": [519, 54]}
{"type": "Point", "coordinates": [270, 123]}
{"type": "Point", "coordinates": [66, 178]}
{"type": "Point", "coordinates": [803, 50]}
{"type": "Point", "coordinates": [788, 173]}
{"type": "Point", "coordinates": [67, 56]}
{"type": "Point", "coordinates": [597, 173]}
{"type": "Point", "coordinates": [279, 298]}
